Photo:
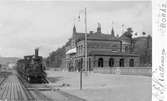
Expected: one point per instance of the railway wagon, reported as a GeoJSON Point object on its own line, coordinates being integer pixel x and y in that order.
{"type": "Point", "coordinates": [31, 68]}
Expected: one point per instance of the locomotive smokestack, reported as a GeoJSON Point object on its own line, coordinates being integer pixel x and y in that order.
{"type": "Point", "coordinates": [36, 52]}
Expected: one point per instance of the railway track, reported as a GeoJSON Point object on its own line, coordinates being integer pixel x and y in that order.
{"type": "Point", "coordinates": [2, 80]}
{"type": "Point", "coordinates": [3, 77]}
{"type": "Point", "coordinates": [38, 96]}
{"type": "Point", "coordinates": [13, 90]}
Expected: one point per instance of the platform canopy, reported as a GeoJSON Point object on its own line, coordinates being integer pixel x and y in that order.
{"type": "Point", "coordinates": [71, 51]}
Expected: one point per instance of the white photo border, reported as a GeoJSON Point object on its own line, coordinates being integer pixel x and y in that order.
{"type": "Point", "coordinates": [159, 70]}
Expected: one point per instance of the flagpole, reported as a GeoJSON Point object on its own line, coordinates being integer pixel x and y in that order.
{"type": "Point", "coordinates": [86, 40]}
{"type": "Point", "coordinates": [85, 22]}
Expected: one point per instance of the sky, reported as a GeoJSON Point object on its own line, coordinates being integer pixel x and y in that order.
{"type": "Point", "coordinates": [28, 24]}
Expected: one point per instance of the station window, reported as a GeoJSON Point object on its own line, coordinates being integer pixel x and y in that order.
{"type": "Point", "coordinates": [100, 62]}
{"type": "Point", "coordinates": [121, 62]}
{"type": "Point", "coordinates": [131, 62]}
{"type": "Point", "coordinates": [111, 62]}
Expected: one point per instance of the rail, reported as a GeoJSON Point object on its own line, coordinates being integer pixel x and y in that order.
{"type": "Point", "coordinates": [3, 77]}
{"type": "Point", "coordinates": [36, 95]}
{"type": "Point", "coordinates": [2, 80]}
{"type": "Point", "coordinates": [13, 89]}
{"type": "Point", "coordinates": [25, 88]}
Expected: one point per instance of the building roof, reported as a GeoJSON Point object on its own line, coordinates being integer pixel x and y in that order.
{"type": "Point", "coordinates": [95, 36]}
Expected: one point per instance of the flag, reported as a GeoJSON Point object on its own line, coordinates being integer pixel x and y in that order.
{"type": "Point", "coordinates": [122, 28]}
{"type": "Point", "coordinates": [79, 18]}
{"type": "Point", "coordinates": [80, 14]}
{"type": "Point", "coordinates": [99, 25]}
{"type": "Point", "coordinates": [112, 23]}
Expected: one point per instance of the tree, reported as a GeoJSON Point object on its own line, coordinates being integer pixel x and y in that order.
{"type": "Point", "coordinates": [143, 33]}
{"type": "Point", "coordinates": [129, 32]}
{"type": "Point", "coordinates": [143, 47]}
{"type": "Point", "coordinates": [136, 34]}
{"type": "Point", "coordinates": [55, 57]}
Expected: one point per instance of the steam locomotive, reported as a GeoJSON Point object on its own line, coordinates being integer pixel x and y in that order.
{"type": "Point", "coordinates": [32, 69]}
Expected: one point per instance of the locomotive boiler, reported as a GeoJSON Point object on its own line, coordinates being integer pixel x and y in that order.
{"type": "Point", "coordinates": [32, 69]}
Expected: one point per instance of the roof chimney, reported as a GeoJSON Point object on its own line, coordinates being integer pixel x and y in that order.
{"type": "Point", "coordinates": [91, 32]}
{"type": "Point", "coordinates": [36, 52]}
{"type": "Point", "coordinates": [99, 28]}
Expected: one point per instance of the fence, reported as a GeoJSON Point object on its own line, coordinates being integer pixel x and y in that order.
{"type": "Point", "coordinates": [146, 71]}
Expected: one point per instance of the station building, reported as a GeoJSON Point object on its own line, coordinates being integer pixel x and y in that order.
{"type": "Point", "coordinates": [103, 50]}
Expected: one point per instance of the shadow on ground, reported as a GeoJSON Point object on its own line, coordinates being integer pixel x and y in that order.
{"type": "Point", "coordinates": [55, 79]}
